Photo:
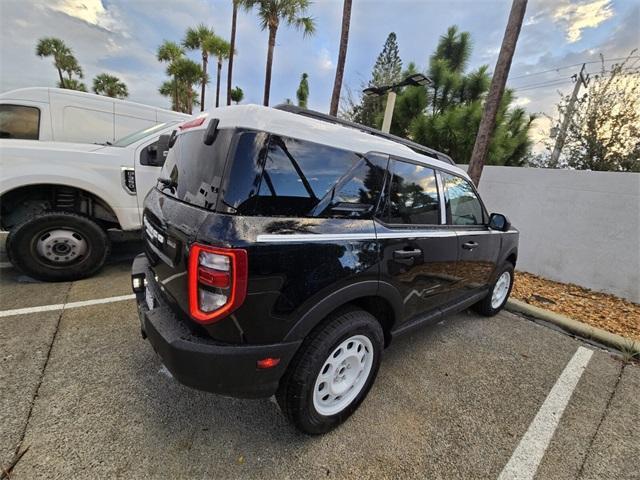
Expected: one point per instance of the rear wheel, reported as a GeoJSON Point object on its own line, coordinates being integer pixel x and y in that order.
{"type": "Point", "coordinates": [58, 246]}
{"type": "Point", "coordinates": [333, 372]}
{"type": "Point", "coordinates": [498, 294]}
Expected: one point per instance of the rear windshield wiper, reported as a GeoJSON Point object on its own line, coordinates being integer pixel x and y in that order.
{"type": "Point", "coordinates": [167, 183]}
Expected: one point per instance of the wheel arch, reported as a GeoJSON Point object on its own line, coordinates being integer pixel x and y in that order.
{"type": "Point", "coordinates": [22, 201]}
{"type": "Point", "coordinates": [378, 298]}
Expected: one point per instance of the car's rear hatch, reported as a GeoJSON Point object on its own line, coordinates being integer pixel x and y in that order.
{"type": "Point", "coordinates": [174, 211]}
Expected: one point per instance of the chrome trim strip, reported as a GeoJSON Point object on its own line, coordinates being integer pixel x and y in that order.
{"type": "Point", "coordinates": [313, 237]}
{"type": "Point", "coordinates": [417, 234]}
{"type": "Point", "coordinates": [443, 205]}
{"type": "Point", "coordinates": [327, 237]}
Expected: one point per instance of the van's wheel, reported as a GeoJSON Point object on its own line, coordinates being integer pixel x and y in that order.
{"type": "Point", "coordinates": [498, 294]}
{"type": "Point", "coordinates": [58, 246]}
{"type": "Point", "coordinates": [332, 372]}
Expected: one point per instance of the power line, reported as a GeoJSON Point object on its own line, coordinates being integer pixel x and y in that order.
{"type": "Point", "coordinates": [564, 67]}
{"type": "Point", "coordinates": [546, 83]}
{"type": "Point", "coordinates": [558, 82]}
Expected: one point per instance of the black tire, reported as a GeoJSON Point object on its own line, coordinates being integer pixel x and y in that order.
{"type": "Point", "coordinates": [295, 395]}
{"type": "Point", "coordinates": [484, 306]}
{"type": "Point", "coordinates": [23, 253]}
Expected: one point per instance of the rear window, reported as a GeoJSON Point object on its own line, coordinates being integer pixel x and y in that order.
{"type": "Point", "coordinates": [193, 170]}
{"type": "Point", "coordinates": [19, 122]}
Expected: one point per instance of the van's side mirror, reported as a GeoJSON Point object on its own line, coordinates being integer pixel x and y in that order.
{"type": "Point", "coordinates": [499, 222]}
{"type": "Point", "coordinates": [163, 147]}
{"type": "Point", "coordinates": [155, 154]}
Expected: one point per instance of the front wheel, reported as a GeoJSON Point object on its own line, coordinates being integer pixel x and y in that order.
{"type": "Point", "coordinates": [333, 372]}
{"type": "Point", "coordinates": [498, 294]}
{"type": "Point", "coordinates": [58, 246]}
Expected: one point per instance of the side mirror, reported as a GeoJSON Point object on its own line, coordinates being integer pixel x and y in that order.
{"type": "Point", "coordinates": [499, 222]}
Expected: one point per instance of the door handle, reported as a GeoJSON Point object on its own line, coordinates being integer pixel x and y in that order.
{"type": "Point", "coordinates": [404, 254]}
{"type": "Point", "coordinates": [469, 245]}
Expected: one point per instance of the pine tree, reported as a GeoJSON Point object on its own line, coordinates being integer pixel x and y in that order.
{"type": "Point", "coordinates": [302, 94]}
{"type": "Point", "coordinates": [386, 71]}
{"type": "Point", "coordinates": [388, 67]}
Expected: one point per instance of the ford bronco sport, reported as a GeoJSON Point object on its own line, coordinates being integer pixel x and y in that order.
{"type": "Point", "coordinates": [286, 249]}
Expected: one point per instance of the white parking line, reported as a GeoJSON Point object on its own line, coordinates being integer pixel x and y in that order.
{"type": "Point", "coordinates": [524, 462]}
{"type": "Point", "coordinates": [64, 306]}
{"type": "Point", "coordinates": [5, 265]}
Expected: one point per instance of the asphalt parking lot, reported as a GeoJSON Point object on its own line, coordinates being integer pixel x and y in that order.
{"type": "Point", "coordinates": [466, 398]}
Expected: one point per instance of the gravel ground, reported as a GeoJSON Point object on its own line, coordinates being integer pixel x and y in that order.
{"type": "Point", "coordinates": [611, 313]}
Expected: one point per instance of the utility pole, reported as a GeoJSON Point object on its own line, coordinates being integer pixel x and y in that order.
{"type": "Point", "coordinates": [500, 74]}
{"type": "Point", "coordinates": [388, 111]}
{"type": "Point", "coordinates": [581, 79]}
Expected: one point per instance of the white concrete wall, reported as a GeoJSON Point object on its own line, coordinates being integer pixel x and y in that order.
{"type": "Point", "coordinates": [575, 226]}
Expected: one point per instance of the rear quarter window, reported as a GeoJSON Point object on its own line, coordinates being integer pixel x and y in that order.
{"type": "Point", "coordinates": [272, 175]}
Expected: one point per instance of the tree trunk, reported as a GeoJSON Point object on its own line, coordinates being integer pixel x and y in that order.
{"type": "Point", "coordinates": [233, 49]}
{"type": "Point", "coordinates": [176, 105]}
{"type": "Point", "coordinates": [267, 75]}
{"type": "Point", "coordinates": [218, 83]}
{"type": "Point", "coordinates": [61, 78]}
{"type": "Point", "coordinates": [205, 60]}
{"type": "Point", "coordinates": [342, 56]}
{"type": "Point", "coordinates": [492, 103]}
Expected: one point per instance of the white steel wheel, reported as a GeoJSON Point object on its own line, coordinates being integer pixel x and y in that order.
{"type": "Point", "coordinates": [500, 290]}
{"type": "Point", "coordinates": [343, 375]}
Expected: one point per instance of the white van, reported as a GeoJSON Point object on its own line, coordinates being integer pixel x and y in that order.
{"type": "Point", "coordinates": [60, 115]}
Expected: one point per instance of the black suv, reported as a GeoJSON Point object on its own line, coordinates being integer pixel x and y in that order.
{"type": "Point", "coordinates": [286, 249]}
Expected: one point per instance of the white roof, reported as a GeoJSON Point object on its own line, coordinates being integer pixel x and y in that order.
{"type": "Point", "coordinates": [41, 94]}
{"type": "Point", "coordinates": [292, 125]}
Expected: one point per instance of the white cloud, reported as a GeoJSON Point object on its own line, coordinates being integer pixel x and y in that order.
{"type": "Point", "coordinates": [324, 60]}
{"type": "Point", "coordinates": [521, 102]}
{"type": "Point", "coordinates": [580, 16]}
{"type": "Point", "coordinates": [90, 11]}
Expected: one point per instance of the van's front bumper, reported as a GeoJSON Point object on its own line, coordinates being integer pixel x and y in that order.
{"type": "Point", "coordinates": [199, 362]}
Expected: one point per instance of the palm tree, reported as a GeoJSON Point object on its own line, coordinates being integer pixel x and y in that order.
{"type": "Point", "coordinates": [198, 38]}
{"type": "Point", "coordinates": [70, 66]}
{"type": "Point", "coordinates": [73, 84]}
{"type": "Point", "coordinates": [222, 50]}
{"type": "Point", "coordinates": [110, 85]}
{"type": "Point", "coordinates": [170, 52]}
{"type": "Point", "coordinates": [342, 56]}
{"type": "Point", "coordinates": [56, 48]}
{"type": "Point", "coordinates": [186, 74]}
{"type": "Point", "coordinates": [271, 13]}
{"type": "Point", "coordinates": [234, 18]}
{"type": "Point", "coordinates": [237, 94]}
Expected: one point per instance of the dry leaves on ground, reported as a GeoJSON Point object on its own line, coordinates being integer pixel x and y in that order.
{"type": "Point", "coordinates": [601, 310]}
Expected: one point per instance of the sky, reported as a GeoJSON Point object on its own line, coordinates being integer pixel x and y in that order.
{"type": "Point", "coordinates": [121, 37]}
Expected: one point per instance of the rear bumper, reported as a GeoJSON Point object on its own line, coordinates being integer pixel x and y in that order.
{"type": "Point", "coordinates": [199, 362]}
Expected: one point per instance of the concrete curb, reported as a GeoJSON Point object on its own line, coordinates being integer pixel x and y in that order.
{"type": "Point", "coordinates": [573, 326]}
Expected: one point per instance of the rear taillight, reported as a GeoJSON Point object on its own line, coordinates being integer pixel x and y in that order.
{"type": "Point", "coordinates": [217, 281]}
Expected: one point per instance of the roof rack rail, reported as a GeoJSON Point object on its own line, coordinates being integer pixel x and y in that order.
{"type": "Point", "coordinates": [416, 147]}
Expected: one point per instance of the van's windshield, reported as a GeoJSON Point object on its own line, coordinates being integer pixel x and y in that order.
{"type": "Point", "coordinates": [139, 135]}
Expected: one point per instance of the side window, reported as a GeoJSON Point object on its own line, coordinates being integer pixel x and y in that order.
{"type": "Point", "coordinates": [463, 205]}
{"type": "Point", "coordinates": [298, 175]}
{"type": "Point", "coordinates": [413, 195]}
{"type": "Point", "coordinates": [19, 122]}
